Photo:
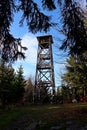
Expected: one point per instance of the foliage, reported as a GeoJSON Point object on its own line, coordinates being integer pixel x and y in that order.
{"type": "Point", "coordinates": [43, 92]}
{"type": "Point", "coordinates": [66, 93]}
{"type": "Point", "coordinates": [11, 84]}
{"type": "Point", "coordinates": [8, 44]}
{"type": "Point", "coordinates": [20, 83]}
{"type": "Point", "coordinates": [45, 96]}
{"type": "Point", "coordinates": [29, 90]}
{"type": "Point", "coordinates": [36, 21]}
{"type": "Point", "coordinates": [72, 19]}
{"type": "Point", "coordinates": [76, 74]}
{"type": "Point", "coordinates": [73, 27]}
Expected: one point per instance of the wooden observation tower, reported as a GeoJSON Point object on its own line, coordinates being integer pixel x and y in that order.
{"type": "Point", "coordinates": [44, 68]}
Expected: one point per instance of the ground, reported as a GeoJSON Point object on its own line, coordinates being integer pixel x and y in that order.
{"type": "Point", "coordinates": [71, 116]}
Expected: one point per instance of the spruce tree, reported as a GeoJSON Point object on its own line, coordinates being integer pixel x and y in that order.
{"type": "Point", "coordinates": [19, 85]}
{"type": "Point", "coordinates": [76, 75]}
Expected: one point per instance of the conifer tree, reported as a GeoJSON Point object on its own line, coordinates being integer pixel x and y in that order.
{"type": "Point", "coordinates": [74, 28]}
{"type": "Point", "coordinates": [36, 21]}
{"type": "Point", "coordinates": [72, 20]}
{"type": "Point", "coordinates": [76, 75]}
{"type": "Point", "coordinates": [20, 84]}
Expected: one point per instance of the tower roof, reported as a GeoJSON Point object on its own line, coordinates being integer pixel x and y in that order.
{"type": "Point", "coordinates": [45, 39]}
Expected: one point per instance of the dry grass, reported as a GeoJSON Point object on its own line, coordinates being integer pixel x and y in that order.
{"type": "Point", "coordinates": [50, 114]}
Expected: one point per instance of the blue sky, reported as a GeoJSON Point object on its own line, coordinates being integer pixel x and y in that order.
{"type": "Point", "coordinates": [30, 41]}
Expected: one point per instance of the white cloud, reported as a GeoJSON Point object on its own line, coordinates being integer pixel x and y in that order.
{"type": "Point", "coordinates": [29, 64]}
{"type": "Point", "coordinates": [30, 41]}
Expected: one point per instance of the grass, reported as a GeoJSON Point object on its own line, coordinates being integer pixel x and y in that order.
{"type": "Point", "coordinates": [49, 114]}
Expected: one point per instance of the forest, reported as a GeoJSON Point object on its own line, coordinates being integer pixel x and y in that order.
{"type": "Point", "coordinates": [74, 28]}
